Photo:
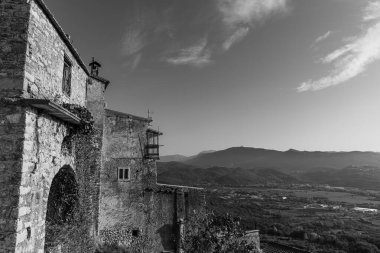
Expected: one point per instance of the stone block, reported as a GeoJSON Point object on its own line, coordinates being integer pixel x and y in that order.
{"type": "Point", "coordinates": [14, 118]}
{"type": "Point", "coordinates": [24, 211]}
{"type": "Point", "coordinates": [25, 190]}
{"type": "Point", "coordinates": [21, 236]}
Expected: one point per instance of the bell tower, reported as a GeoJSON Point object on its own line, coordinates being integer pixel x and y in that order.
{"type": "Point", "coordinates": [95, 66]}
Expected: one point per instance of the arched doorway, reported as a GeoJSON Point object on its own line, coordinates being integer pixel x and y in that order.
{"type": "Point", "coordinates": [61, 210]}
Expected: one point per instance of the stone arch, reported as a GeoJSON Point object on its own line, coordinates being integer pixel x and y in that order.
{"type": "Point", "coordinates": [63, 201]}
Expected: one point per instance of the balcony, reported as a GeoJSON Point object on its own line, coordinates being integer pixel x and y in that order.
{"type": "Point", "coordinates": [152, 148]}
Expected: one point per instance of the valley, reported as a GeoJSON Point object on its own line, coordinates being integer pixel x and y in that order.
{"type": "Point", "coordinates": [314, 218]}
{"type": "Point", "coordinates": [316, 201]}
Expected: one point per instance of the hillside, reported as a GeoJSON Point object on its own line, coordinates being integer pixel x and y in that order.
{"type": "Point", "coordinates": [182, 158]}
{"type": "Point", "coordinates": [173, 158]}
{"type": "Point", "coordinates": [365, 177]}
{"type": "Point", "coordinates": [288, 161]}
{"type": "Point", "coordinates": [183, 174]}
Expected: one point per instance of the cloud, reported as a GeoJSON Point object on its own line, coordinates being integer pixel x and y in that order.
{"type": "Point", "coordinates": [237, 12]}
{"type": "Point", "coordinates": [190, 32]}
{"type": "Point", "coordinates": [372, 11]}
{"type": "Point", "coordinates": [197, 55]}
{"type": "Point", "coordinates": [239, 16]}
{"type": "Point", "coordinates": [133, 41]}
{"type": "Point", "coordinates": [354, 57]}
{"type": "Point", "coordinates": [237, 36]}
{"type": "Point", "coordinates": [323, 37]}
{"type": "Point", "coordinates": [320, 39]}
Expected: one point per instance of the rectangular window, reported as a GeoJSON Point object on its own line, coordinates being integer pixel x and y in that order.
{"type": "Point", "coordinates": [123, 174]}
{"type": "Point", "coordinates": [66, 80]}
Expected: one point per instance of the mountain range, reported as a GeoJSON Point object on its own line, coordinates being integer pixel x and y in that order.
{"type": "Point", "coordinates": [183, 174]}
{"type": "Point", "coordinates": [182, 158]}
{"type": "Point", "coordinates": [247, 166]}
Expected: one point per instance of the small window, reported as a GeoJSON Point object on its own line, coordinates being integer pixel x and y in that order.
{"type": "Point", "coordinates": [66, 80]}
{"type": "Point", "coordinates": [29, 233]}
{"type": "Point", "coordinates": [123, 174]}
{"type": "Point", "coordinates": [136, 233]}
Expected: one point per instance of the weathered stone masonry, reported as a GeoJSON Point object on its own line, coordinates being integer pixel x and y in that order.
{"type": "Point", "coordinates": [13, 24]}
{"type": "Point", "coordinates": [34, 134]}
{"type": "Point", "coordinates": [139, 204]}
{"type": "Point", "coordinates": [32, 55]}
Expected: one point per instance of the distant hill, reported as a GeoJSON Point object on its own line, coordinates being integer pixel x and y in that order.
{"type": "Point", "coordinates": [184, 174]}
{"type": "Point", "coordinates": [365, 177]}
{"type": "Point", "coordinates": [245, 166]}
{"type": "Point", "coordinates": [288, 161]}
{"type": "Point", "coordinates": [182, 158]}
{"type": "Point", "coordinates": [173, 158]}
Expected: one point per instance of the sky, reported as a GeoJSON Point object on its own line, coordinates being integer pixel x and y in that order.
{"type": "Point", "coordinates": [274, 74]}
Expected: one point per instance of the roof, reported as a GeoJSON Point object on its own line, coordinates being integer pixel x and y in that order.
{"type": "Point", "coordinates": [127, 115]}
{"type": "Point", "coordinates": [101, 79]}
{"type": "Point", "coordinates": [53, 109]}
{"type": "Point", "coordinates": [154, 131]}
{"type": "Point", "coordinates": [62, 34]}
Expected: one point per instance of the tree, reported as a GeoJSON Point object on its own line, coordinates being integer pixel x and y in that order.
{"type": "Point", "coordinates": [213, 233]}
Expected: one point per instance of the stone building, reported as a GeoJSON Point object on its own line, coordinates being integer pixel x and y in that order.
{"type": "Point", "coordinates": [51, 172]}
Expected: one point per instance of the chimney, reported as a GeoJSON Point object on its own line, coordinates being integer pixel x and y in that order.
{"type": "Point", "coordinates": [95, 67]}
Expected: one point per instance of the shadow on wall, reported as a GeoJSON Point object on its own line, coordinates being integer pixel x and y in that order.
{"type": "Point", "coordinates": [62, 203]}
{"type": "Point", "coordinates": [167, 237]}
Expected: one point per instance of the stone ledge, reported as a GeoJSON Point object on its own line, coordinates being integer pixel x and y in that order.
{"type": "Point", "coordinates": [53, 109]}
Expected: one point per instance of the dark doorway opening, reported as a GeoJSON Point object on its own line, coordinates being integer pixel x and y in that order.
{"type": "Point", "coordinates": [61, 210]}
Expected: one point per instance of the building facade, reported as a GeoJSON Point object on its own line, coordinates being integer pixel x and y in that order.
{"type": "Point", "coordinates": [44, 89]}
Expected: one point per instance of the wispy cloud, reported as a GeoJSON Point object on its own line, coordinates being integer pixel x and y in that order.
{"type": "Point", "coordinates": [132, 45]}
{"type": "Point", "coordinates": [135, 38]}
{"type": "Point", "coordinates": [191, 34]}
{"type": "Point", "coordinates": [196, 55]}
{"type": "Point", "coordinates": [237, 12]}
{"type": "Point", "coordinates": [237, 36]}
{"type": "Point", "coordinates": [372, 11]}
{"type": "Point", "coordinates": [239, 16]}
{"type": "Point", "coordinates": [323, 37]}
{"type": "Point", "coordinates": [133, 41]}
{"type": "Point", "coordinates": [355, 56]}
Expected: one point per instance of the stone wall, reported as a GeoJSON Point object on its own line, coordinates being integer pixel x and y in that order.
{"type": "Point", "coordinates": [96, 105]}
{"type": "Point", "coordinates": [12, 125]}
{"type": "Point", "coordinates": [14, 15]}
{"type": "Point", "coordinates": [43, 157]}
{"type": "Point", "coordinates": [45, 54]}
{"type": "Point", "coordinates": [123, 205]}
{"type": "Point", "coordinates": [95, 101]}
{"type": "Point", "coordinates": [139, 213]}
{"type": "Point", "coordinates": [32, 52]}
{"type": "Point", "coordinates": [35, 146]}
{"type": "Point", "coordinates": [13, 43]}
{"type": "Point", "coordinates": [253, 237]}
